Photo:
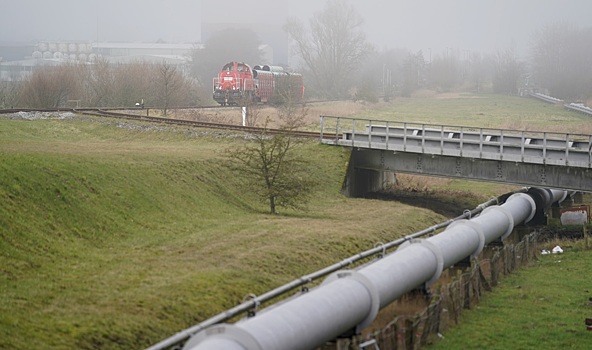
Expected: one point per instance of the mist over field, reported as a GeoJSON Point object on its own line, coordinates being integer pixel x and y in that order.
{"type": "Point", "coordinates": [435, 25]}
{"type": "Point", "coordinates": [343, 48]}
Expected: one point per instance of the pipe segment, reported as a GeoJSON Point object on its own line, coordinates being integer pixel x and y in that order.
{"type": "Point", "coordinates": [437, 253]}
{"type": "Point", "coordinates": [557, 196]}
{"type": "Point", "coordinates": [234, 338]}
{"type": "Point", "coordinates": [348, 300]}
{"type": "Point", "coordinates": [371, 290]}
{"type": "Point", "coordinates": [306, 321]}
{"type": "Point", "coordinates": [477, 229]}
{"type": "Point", "coordinates": [401, 271]}
{"type": "Point", "coordinates": [456, 243]}
{"type": "Point", "coordinates": [504, 229]}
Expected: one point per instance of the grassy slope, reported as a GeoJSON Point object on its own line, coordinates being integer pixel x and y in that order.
{"type": "Point", "coordinates": [119, 237]}
{"type": "Point", "coordinates": [542, 307]}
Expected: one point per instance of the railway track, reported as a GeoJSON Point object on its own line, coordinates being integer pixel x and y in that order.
{"type": "Point", "coordinates": [116, 113]}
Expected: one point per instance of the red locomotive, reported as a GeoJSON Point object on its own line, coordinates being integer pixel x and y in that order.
{"type": "Point", "coordinates": [237, 84]}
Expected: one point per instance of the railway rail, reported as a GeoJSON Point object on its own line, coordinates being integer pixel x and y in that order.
{"type": "Point", "coordinates": [117, 113]}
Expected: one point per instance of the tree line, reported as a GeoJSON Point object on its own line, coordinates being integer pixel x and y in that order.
{"type": "Point", "coordinates": [336, 61]}
{"type": "Point", "coordinates": [101, 84]}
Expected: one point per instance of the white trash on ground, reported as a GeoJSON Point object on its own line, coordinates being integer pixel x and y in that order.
{"type": "Point", "coordinates": [557, 250]}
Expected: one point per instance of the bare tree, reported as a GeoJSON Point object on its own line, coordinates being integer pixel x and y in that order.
{"type": "Point", "coordinates": [99, 83]}
{"type": "Point", "coordinates": [414, 73]}
{"type": "Point", "coordinates": [292, 116]}
{"type": "Point", "coordinates": [9, 91]}
{"type": "Point", "coordinates": [169, 83]}
{"type": "Point", "coordinates": [132, 83]}
{"type": "Point", "coordinates": [388, 65]}
{"type": "Point", "coordinates": [103, 84]}
{"type": "Point", "coordinates": [332, 47]}
{"type": "Point", "coordinates": [252, 110]}
{"type": "Point", "coordinates": [507, 72]}
{"type": "Point", "coordinates": [479, 71]}
{"type": "Point", "coordinates": [445, 71]}
{"type": "Point", "coordinates": [271, 165]}
{"type": "Point", "coordinates": [561, 60]}
{"type": "Point", "coordinates": [159, 85]}
{"type": "Point", "coordinates": [49, 87]}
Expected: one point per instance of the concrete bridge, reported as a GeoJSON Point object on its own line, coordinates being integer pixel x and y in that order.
{"type": "Point", "coordinates": [528, 158]}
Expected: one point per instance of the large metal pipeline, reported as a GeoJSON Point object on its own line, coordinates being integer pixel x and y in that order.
{"type": "Point", "coordinates": [350, 299]}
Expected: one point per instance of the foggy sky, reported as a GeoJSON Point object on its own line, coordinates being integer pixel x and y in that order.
{"type": "Point", "coordinates": [465, 25]}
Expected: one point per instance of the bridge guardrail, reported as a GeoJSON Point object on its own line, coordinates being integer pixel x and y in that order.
{"type": "Point", "coordinates": [536, 147]}
{"type": "Point", "coordinates": [546, 98]}
{"type": "Point", "coordinates": [579, 107]}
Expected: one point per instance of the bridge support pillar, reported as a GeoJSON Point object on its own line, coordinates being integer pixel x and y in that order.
{"type": "Point", "coordinates": [360, 181]}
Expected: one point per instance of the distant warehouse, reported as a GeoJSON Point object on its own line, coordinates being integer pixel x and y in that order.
{"type": "Point", "coordinates": [17, 61]}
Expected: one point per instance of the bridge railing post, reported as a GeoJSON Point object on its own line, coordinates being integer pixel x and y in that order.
{"type": "Point", "coordinates": [590, 152]}
{"type": "Point", "coordinates": [353, 128]}
{"type": "Point", "coordinates": [566, 149]}
{"type": "Point", "coordinates": [522, 141]}
{"type": "Point", "coordinates": [480, 142]}
{"type": "Point", "coordinates": [441, 139]}
{"type": "Point", "coordinates": [422, 138]}
{"type": "Point", "coordinates": [544, 147]}
{"type": "Point", "coordinates": [337, 129]}
{"type": "Point", "coordinates": [501, 144]}
{"type": "Point", "coordinates": [404, 137]}
{"type": "Point", "coordinates": [462, 135]}
{"type": "Point", "coordinates": [369, 133]}
{"type": "Point", "coordinates": [387, 136]}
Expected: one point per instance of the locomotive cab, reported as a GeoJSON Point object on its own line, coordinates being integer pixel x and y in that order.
{"type": "Point", "coordinates": [238, 83]}
{"type": "Point", "coordinates": [234, 84]}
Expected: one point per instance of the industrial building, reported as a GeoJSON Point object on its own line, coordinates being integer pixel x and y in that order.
{"type": "Point", "coordinates": [17, 61]}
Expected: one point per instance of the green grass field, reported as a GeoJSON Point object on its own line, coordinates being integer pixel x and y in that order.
{"type": "Point", "coordinates": [116, 235]}
{"type": "Point", "coordinates": [483, 110]}
{"type": "Point", "coordinates": [541, 307]}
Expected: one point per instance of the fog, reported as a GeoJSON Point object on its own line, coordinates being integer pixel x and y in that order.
{"type": "Point", "coordinates": [434, 25]}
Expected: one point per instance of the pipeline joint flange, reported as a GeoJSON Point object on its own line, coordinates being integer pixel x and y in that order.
{"type": "Point", "coordinates": [228, 331]}
{"type": "Point", "coordinates": [530, 201]}
{"type": "Point", "coordinates": [478, 229]}
{"type": "Point", "coordinates": [507, 214]}
{"type": "Point", "coordinates": [372, 291]}
{"type": "Point", "coordinates": [437, 253]}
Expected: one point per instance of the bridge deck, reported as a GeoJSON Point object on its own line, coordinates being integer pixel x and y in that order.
{"type": "Point", "coordinates": [544, 153]}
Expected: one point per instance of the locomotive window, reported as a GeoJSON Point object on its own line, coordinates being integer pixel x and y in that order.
{"type": "Point", "coordinates": [240, 68]}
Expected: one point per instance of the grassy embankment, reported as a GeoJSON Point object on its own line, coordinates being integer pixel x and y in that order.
{"type": "Point", "coordinates": [117, 237]}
